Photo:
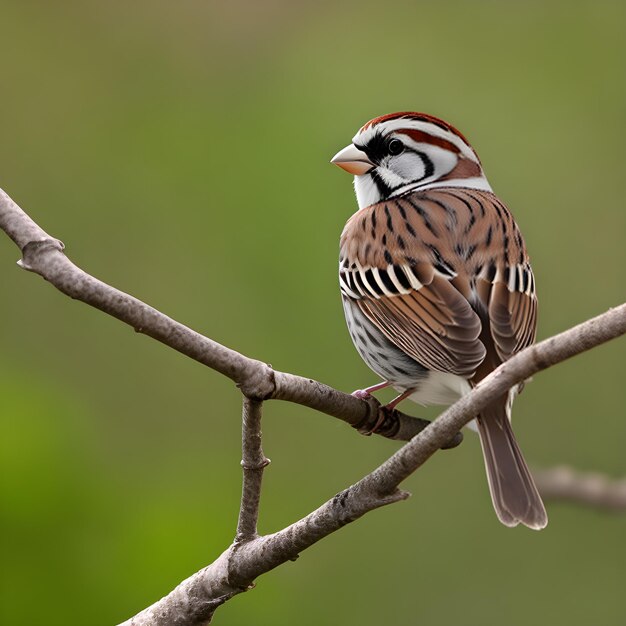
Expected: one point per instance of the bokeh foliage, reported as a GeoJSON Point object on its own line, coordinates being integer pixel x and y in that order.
{"type": "Point", "coordinates": [180, 149]}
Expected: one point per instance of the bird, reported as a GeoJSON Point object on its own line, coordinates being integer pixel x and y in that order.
{"type": "Point", "coordinates": [437, 286]}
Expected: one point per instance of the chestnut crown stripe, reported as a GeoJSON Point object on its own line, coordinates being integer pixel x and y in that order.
{"type": "Point", "coordinates": [418, 117]}
{"type": "Point", "coordinates": [420, 136]}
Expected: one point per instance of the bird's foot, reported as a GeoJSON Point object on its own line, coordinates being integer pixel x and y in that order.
{"type": "Point", "coordinates": [396, 401]}
{"type": "Point", "coordinates": [365, 394]}
{"type": "Point", "coordinates": [385, 411]}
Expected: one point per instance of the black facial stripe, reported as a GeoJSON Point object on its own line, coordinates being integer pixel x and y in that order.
{"type": "Point", "coordinates": [429, 168]}
{"type": "Point", "coordinates": [377, 148]}
{"type": "Point", "coordinates": [383, 188]}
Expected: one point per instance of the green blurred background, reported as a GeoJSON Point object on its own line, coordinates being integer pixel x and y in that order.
{"type": "Point", "coordinates": [180, 149]}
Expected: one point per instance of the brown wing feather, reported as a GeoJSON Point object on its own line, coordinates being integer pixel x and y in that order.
{"type": "Point", "coordinates": [513, 319]}
{"type": "Point", "coordinates": [457, 244]}
{"type": "Point", "coordinates": [434, 325]}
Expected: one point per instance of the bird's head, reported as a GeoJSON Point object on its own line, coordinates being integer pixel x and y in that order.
{"type": "Point", "coordinates": [401, 152]}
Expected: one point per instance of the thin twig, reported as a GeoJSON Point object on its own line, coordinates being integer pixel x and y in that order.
{"type": "Point", "coordinates": [253, 463]}
{"type": "Point", "coordinates": [589, 488]}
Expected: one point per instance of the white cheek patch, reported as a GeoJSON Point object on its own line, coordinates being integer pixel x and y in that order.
{"type": "Point", "coordinates": [406, 166]}
{"type": "Point", "coordinates": [390, 177]}
{"type": "Point", "coordinates": [443, 161]}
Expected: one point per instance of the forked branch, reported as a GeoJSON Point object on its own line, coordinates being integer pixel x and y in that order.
{"type": "Point", "coordinates": [194, 601]}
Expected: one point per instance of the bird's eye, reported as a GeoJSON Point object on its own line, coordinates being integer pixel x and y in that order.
{"type": "Point", "coordinates": [395, 147]}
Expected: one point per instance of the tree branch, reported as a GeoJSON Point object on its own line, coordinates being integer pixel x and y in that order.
{"type": "Point", "coordinates": [194, 601]}
{"type": "Point", "coordinates": [380, 487]}
{"type": "Point", "coordinates": [591, 489]}
{"type": "Point", "coordinates": [253, 463]}
{"type": "Point", "coordinates": [43, 255]}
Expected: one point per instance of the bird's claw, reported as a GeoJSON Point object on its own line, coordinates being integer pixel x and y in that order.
{"type": "Point", "coordinates": [361, 394]}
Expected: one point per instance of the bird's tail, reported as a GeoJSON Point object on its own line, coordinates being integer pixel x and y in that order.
{"type": "Point", "coordinates": [513, 491]}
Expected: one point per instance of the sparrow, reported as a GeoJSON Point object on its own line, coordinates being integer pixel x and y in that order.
{"type": "Point", "coordinates": [436, 284]}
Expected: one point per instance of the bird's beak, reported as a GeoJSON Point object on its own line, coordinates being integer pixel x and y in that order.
{"type": "Point", "coordinates": [353, 160]}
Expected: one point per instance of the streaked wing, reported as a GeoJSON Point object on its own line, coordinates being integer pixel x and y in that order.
{"type": "Point", "coordinates": [415, 263]}
{"type": "Point", "coordinates": [512, 313]}
{"type": "Point", "coordinates": [433, 324]}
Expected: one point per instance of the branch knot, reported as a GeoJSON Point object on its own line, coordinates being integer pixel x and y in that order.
{"type": "Point", "coordinates": [256, 466]}
{"type": "Point", "coordinates": [259, 383]}
{"type": "Point", "coordinates": [33, 249]}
